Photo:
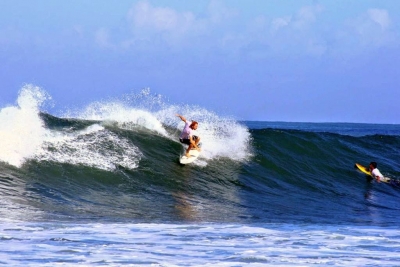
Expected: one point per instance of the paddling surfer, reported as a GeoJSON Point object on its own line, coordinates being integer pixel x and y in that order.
{"type": "Point", "coordinates": [375, 172]}
{"type": "Point", "coordinates": [187, 137]}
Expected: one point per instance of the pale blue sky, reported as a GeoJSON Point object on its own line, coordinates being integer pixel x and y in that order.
{"type": "Point", "coordinates": [270, 60]}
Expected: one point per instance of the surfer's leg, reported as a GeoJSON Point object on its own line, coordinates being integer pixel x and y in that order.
{"type": "Point", "coordinates": [196, 141]}
{"type": "Point", "coordinates": [188, 149]}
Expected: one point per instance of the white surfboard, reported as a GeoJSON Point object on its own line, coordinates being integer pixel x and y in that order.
{"type": "Point", "coordinates": [193, 155]}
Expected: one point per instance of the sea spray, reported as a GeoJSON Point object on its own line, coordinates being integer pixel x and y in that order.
{"type": "Point", "coordinates": [125, 116]}
{"type": "Point", "coordinates": [25, 136]}
{"type": "Point", "coordinates": [21, 129]}
{"type": "Point", "coordinates": [221, 137]}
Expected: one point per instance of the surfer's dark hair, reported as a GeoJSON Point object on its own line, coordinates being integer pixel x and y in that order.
{"type": "Point", "coordinates": [373, 163]}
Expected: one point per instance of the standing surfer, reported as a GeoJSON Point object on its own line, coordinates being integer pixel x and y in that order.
{"type": "Point", "coordinates": [187, 137]}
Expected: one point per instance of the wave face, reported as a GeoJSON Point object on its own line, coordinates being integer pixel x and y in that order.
{"type": "Point", "coordinates": [117, 161]}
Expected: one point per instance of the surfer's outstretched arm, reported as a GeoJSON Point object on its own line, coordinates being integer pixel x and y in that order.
{"type": "Point", "coordinates": [182, 118]}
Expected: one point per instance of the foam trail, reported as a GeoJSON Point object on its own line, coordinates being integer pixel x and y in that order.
{"type": "Point", "coordinates": [21, 129]}
{"type": "Point", "coordinates": [89, 147]}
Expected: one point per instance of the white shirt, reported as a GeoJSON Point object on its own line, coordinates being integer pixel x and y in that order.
{"type": "Point", "coordinates": [186, 132]}
{"type": "Point", "coordinates": [376, 174]}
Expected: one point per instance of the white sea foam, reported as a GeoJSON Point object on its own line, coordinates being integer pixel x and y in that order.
{"type": "Point", "coordinates": [23, 135]}
{"type": "Point", "coordinates": [125, 116]}
{"type": "Point", "coordinates": [21, 129]}
{"type": "Point", "coordinates": [221, 137]}
{"type": "Point", "coordinates": [94, 146]}
{"type": "Point", "coordinates": [49, 244]}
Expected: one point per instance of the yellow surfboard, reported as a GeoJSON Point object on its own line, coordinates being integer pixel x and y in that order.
{"type": "Point", "coordinates": [362, 169]}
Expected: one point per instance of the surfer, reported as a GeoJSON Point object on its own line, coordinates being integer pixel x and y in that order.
{"type": "Point", "coordinates": [375, 172]}
{"type": "Point", "coordinates": [187, 137]}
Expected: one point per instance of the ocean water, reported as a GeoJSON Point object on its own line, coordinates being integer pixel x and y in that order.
{"type": "Point", "coordinates": [102, 186]}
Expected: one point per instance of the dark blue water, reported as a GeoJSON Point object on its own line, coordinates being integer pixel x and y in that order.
{"type": "Point", "coordinates": [296, 172]}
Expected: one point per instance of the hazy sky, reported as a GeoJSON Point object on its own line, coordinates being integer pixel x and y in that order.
{"type": "Point", "coordinates": [270, 60]}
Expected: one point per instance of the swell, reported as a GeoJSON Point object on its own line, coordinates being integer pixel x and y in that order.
{"type": "Point", "coordinates": [293, 176]}
{"type": "Point", "coordinates": [157, 188]}
{"type": "Point", "coordinates": [309, 176]}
